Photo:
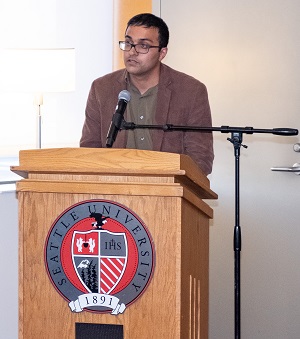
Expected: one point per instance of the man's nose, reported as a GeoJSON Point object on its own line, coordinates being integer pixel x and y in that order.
{"type": "Point", "coordinates": [133, 51]}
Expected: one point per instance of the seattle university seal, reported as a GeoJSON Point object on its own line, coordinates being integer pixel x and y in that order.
{"type": "Point", "coordinates": [99, 256]}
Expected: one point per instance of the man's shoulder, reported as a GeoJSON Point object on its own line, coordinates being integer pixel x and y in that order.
{"type": "Point", "coordinates": [118, 75]}
{"type": "Point", "coordinates": [174, 76]}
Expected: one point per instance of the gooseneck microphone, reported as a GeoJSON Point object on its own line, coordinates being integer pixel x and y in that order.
{"type": "Point", "coordinates": [116, 122]}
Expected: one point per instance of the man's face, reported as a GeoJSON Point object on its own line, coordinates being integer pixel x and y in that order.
{"type": "Point", "coordinates": [139, 64]}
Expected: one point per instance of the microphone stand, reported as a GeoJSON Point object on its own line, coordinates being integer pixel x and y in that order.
{"type": "Point", "coordinates": [236, 140]}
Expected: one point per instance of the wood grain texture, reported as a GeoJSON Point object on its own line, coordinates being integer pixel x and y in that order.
{"type": "Point", "coordinates": [116, 162]}
{"type": "Point", "coordinates": [174, 305]}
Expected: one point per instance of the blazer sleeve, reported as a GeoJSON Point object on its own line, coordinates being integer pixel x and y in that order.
{"type": "Point", "coordinates": [199, 145]}
{"type": "Point", "coordinates": [91, 131]}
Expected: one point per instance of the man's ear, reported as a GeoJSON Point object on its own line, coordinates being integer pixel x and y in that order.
{"type": "Point", "coordinates": [163, 52]}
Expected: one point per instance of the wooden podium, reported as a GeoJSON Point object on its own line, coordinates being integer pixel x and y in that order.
{"type": "Point", "coordinates": [165, 191]}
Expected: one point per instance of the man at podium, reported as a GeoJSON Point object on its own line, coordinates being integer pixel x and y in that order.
{"type": "Point", "coordinates": [158, 95]}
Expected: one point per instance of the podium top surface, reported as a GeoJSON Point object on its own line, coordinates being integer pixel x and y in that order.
{"type": "Point", "coordinates": [111, 161]}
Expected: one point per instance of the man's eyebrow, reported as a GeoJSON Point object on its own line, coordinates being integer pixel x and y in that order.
{"type": "Point", "coordinates": [142, 39]}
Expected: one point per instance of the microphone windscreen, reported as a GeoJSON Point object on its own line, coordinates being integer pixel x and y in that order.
{"type": "Point", "coordinates": [124, 95]}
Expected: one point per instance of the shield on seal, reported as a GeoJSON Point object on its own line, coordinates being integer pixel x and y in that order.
{"type": "Point", "coordinates": [99, 259]}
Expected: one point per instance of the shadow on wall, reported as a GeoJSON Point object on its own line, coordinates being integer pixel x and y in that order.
{"type": "Point", "coordinates": [9, 255]}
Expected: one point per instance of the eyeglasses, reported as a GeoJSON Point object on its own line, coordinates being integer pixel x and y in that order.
{"type": "Point", "coordinates": [139, 48]}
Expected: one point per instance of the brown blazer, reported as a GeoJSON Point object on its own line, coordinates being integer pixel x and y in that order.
{"type": "Point", "coordinates": [181, 100]}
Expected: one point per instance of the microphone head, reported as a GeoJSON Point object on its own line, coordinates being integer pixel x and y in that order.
{"type": "Point", "coordinates": [124, 95]}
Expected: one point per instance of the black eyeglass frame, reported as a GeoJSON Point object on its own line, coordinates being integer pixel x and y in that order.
{"type": "Point", "coordinates": [134, 45]}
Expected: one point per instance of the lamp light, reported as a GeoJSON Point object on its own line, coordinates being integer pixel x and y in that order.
{"type": "Point", "coordinates": [39, 71]}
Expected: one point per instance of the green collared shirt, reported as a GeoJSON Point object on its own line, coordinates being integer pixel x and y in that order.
{"type": "Point", "coordinates": [140, 110]}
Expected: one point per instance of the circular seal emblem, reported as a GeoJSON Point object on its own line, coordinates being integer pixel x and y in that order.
{"type": "Point", "coordinates": [99, 255]}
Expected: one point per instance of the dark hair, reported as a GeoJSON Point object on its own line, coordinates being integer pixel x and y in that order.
{"type": "Point", "coordinates": [150, 20]}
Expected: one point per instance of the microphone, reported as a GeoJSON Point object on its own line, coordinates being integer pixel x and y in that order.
{"type": "Point", "coordinates": [117, 119]}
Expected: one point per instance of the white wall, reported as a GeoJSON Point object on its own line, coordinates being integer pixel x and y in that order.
{"type": "Point", "coordinates": [87, 27]}
{"type": "Point", "coordinates": [247, 53]}
{"type": "Point", "coordinates": [83, 25]}
{"type": "Point", "coordinates": [9, 255]}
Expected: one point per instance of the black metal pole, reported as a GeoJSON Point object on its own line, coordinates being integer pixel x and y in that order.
{"type": "Point", "coordinates": [236, 140]}
{"type": "Point", "coordinates": [223, 129]}
{"type": "Point", "coordinates": [237, 242]}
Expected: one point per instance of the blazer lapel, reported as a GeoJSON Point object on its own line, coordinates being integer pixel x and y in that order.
{"type": "Point", "coordinates": [162, 108]}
